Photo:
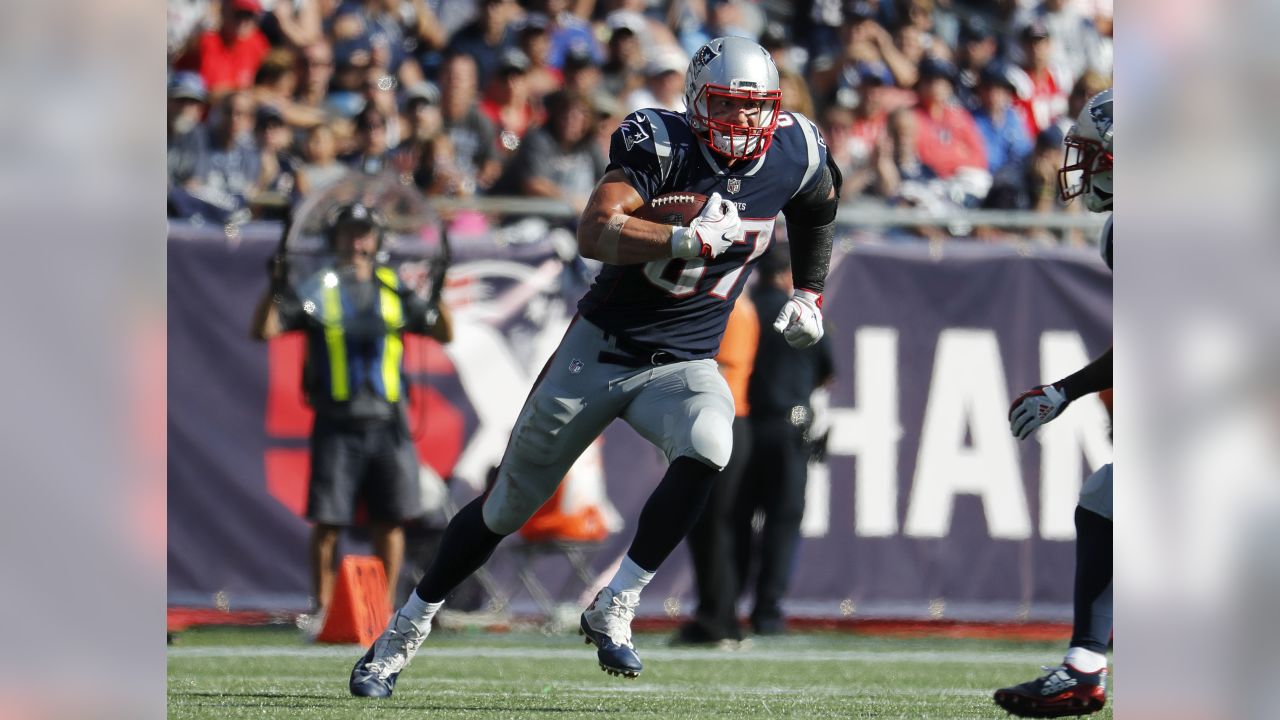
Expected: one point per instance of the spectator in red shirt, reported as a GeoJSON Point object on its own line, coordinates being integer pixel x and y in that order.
{"type": "Point", "coordinates": [947, 139]}
{"type": "Point", "coordinates": [1043, 96]}
{"type": "Point", "coordinates": [229, 57]}
{"type": "Point", "coordinates": [506, 102]}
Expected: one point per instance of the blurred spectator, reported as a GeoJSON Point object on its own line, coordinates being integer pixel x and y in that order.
{"type": "Point", "coordinates": [947, 138]}
{"type": "Point", "coordinates": [795, 93]}
{"type": "Point", "coordinates": [917, 24]}
{"type": "Point", "coordinates": [187, 141]}
{"type": "Point", "coordinates": [977, 49]}
{"type": "Point", "coordinates": [321, 154]}
{"type": "Point", "coordinates": [185, 23]}
{"type": "Point", "coordinates": [736, 18]}
{"type": "Point", "coordinates": [469, 131]}
{"type": "Point", "coordinates": [903, 179]}
{"type": "Point", "coordinates": [295, 23]}
{"type": "Point", "coordinates": [353, 60]}
{"type": "Point", "coordinates": [779, 391]}
{"type": "Point", "coordinates": [858, 137]}
{"type": "Point", "coordinates": [506, 102]}
{"type": "Point", "coordinates": [426, 156]}
{"type": "Point", "coordinates": [534, 40]}
{"type": "Point", "coordinates": [651, 30]}
{"type": "Point", "coordinates": [906, 165]}
{"type": "Point", "coordinates": [370, 154]}
{"type": "Point", "coordinates": [864, 43]}
{"type": "Point", "coordinates": [785, 55]}
{"type": "Point", "coordinates": [434, 170]}
{"type": "Point", "coordinates": [1003, 132]}
{"type": "Point", "coordinates": [567, 31]}
{"type": "Point", "coordinates": [315, 64]}
{"type": "Point", "coordinates": [422, 112]}
{"type": "Point", "coordinates": [1043, 95]}
{"type": "Point", "coordinates": [1033, 185]}
{"type": "Point", "coordinates": [609, 115]}
{"type": "Point", "coordinates": [279, 182]}
{"type": "Point", "coordinates": [394, 30]}
{"type": "Point", "coordinates": [219, 190]}
{"type": "Point", "coordinates": [624, 65]}
{"type": "Point", "coordinates": [380, 92]}
{"type": "Point", "coordinates": [233, 160]}
{"type": "Point", "coordinates": [484, 38]}
{"type": "Point", "coordinates": [559, 159]}
{"type": "Point", "coordinates": [664, 82]}
{"type": "Point", "coordinates": [581, 73]}
{"type": "Point", "coordinates": [228, 57]}
{"type": "Point", "coordinates": [276, 83]}
{"type": "Point", "coordinates": [1076, 46]}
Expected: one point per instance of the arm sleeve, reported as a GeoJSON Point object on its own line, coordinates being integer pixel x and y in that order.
{"type": "Point", "coordinates": [811, 227]}
{"type": "Point", "coordinates": [639, 148]}
{"type": "Point", "coordinates": [1092, 378]}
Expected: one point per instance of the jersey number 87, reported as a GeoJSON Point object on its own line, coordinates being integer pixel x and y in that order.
{"type": "Point", "coordinates": [688, 273]}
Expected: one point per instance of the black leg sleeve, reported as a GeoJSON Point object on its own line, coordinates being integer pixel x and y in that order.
{"type": "Point", "coordinates": [1093, 606]}
{"type": "Point", "coordinates": [466, 545]}
{"type": "Point", "coordinates": [671, 511]}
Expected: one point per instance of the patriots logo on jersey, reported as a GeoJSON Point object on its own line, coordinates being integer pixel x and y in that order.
{"type": "Point", "coordinates": [633, 133]}
{"type": "Point", "coordinates": [705, 55]}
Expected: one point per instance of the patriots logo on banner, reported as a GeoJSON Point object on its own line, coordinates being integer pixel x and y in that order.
{"type": "Point", "coordinates": [704, 55]}
{"type": "Point", "coordinates": [633, 133]}
{"type": "Point", "coordinates": [735, 184]}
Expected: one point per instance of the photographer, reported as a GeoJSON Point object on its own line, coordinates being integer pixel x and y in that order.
{"type": "Point", "coordinates": [354, 314]}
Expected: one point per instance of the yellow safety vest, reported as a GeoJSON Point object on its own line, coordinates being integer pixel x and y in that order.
{"type": "Point", "coordinates": [342, 374]}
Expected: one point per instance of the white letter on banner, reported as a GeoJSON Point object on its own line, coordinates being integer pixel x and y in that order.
{"type": "Point", "coordinates": [1079, 433]}
{"type": "Point", "coordinates": [968, 390]}
{"type": "Point", "coordinates": [871, 432]}
{"type": "Point", "coordinates": [817, 502]}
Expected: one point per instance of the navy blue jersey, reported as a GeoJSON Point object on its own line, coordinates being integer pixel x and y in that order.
{"type": "Point", "coordinates": [681, 306]}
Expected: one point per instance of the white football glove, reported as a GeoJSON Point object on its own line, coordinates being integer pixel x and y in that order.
{"type": "Point", "coordinates": [800, 321]}
{"type": "Point", "coordinates": [711, 233]}
{"type": "Point", "coordinates": [1034, 408]}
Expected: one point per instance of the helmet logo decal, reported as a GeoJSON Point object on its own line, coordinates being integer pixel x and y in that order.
{"type": "Point", "coordinates": [1101, 114]}
{"type": "Point", "coordinates": [705, 54]}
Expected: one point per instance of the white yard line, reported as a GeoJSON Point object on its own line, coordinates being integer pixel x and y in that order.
{"type": "Point", "coordinates": [663, 654]}
{"type": "Point", "coordinates": [442, 686]}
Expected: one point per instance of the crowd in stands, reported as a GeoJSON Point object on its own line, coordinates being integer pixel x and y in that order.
{"type": "Point", "coordinates": [934, 104]}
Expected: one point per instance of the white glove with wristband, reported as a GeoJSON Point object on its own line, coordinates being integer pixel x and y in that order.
{"type": "Point", "coordinates": [1034, 408]}
{"type": "Point", "coordinates": [711, 233]}
{"type": "Point", "coordinates": [800, 321]}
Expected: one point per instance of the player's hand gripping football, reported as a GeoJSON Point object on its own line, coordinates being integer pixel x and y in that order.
{"type": "Point", "coordinates": [711, 233]}
{"type": "Point", "coordinates": [1034, 408]}
{"type": "Point", "coordinates": [800, 321]}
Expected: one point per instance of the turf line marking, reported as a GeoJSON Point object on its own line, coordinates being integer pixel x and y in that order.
{"type": "Point", "coordinates": [663, 654]}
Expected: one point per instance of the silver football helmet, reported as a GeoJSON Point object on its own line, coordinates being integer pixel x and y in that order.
{"type": "Point", "coordinates": [741, 70]}
{"type": "Point", "coordinates": [1086, 168]}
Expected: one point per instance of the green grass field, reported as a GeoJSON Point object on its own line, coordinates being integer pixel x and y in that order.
{"type": "Point", "coordinates": [268, 673]}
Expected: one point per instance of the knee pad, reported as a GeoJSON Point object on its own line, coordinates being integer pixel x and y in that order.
{"type": "Point", "coordinates": [1095, 494]}
{"type": "Point", "coordinates": [510, 504]}
{"type": "Point", "coordinates": [710, 438]}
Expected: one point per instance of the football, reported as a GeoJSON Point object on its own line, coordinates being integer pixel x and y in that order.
{"type": "Point", "coordinates": [672, 208]}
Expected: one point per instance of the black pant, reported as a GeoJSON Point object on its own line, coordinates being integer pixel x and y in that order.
{"type": "Point", "coordinates": [774, 482]}
{"type": "Point", "coordinates": [711, 543]}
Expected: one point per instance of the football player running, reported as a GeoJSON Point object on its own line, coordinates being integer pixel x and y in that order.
{"type": "Point", "coordinates": [1078, 685]}
{"type": "Point", "coordinates": [642, 345]}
